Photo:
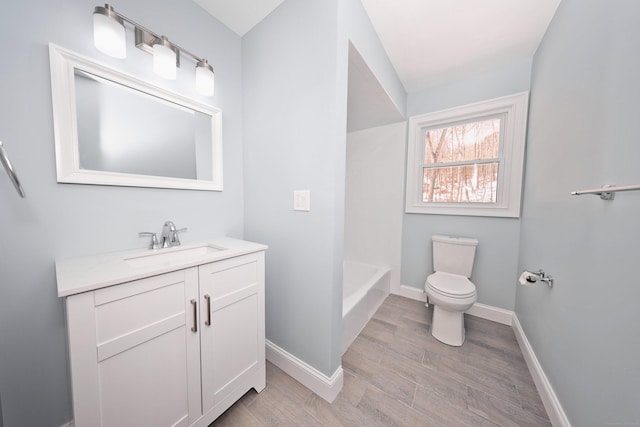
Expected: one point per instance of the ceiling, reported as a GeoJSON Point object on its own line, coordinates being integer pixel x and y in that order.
{"type": "Point", "coordinates": [239, 15]}
{"type": "Point", "coordinates": [429, 42]}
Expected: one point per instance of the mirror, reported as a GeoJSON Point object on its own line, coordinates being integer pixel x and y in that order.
{"type": "Point", "coordinates": [113, 129]}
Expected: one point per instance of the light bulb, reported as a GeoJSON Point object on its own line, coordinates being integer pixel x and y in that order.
{"type": "Point", "coordinates": [109, 35]}
{"type": "Point", "coordinates": [204, 78]}
{"type": "Point", "coordinates": [164, 59]}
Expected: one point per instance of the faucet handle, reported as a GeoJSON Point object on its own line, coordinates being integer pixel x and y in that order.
{"type": "Point", "coordinates": [154, 240]}
{"type": "Point", "coordinates": [175, 240]}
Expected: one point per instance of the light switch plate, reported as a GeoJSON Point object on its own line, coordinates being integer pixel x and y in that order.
{"type": "Point", "coordinates": [302, 200]}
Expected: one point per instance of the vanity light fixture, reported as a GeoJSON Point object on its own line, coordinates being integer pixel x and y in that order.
{"type": "Point", "coordinates": [109, 37]}
{"type": "Point", "coordinates": [108, 32]}
{"type": "Point", "coordinates": [164, 59]}
{"type": "Point", "coordinates": [204, 78]}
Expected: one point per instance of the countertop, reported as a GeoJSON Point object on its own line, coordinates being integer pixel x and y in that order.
{"type": "Point", "coordinates": [82, 274]}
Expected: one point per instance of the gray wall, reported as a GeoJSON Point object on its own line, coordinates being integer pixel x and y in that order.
{"type": "Point", "coordinates": [293, 141]}
{"type": "Point", "coordinates": [66, 220]}
{"type": "Point", "coordinates": [497, 254]}
{"type": "Point", "coordinates": [295, 66]}
{"type": "Point", "coordinates": [583, 132]}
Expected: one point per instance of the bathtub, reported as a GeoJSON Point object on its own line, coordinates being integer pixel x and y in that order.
{"type": "Point", "coordinates": [364, 288]}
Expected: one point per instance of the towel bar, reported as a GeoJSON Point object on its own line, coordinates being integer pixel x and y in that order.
{"type": "Point", "coordinates": [607, 192]}
{"type": "Point", "coordinates": [4, 159]}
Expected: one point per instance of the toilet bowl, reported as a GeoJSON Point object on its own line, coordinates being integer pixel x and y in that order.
{"type": "Point", "coordinates": [449, 288]}
{"type": "Point", "coordinates": [451, 295]}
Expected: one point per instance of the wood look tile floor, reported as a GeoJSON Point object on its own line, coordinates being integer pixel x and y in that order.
{"type": "Point", "coordinates": [397, 374]}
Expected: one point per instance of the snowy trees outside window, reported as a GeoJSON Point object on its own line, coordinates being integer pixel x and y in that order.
{"type": "Point", "coordinates": [468, 160]}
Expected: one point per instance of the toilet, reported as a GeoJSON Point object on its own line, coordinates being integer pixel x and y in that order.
{"type": "Point", "coordinates": [449, 288]}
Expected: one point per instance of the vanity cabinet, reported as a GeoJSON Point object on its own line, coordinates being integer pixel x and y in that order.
{"type": "Point", "coordinates": [173, 349]}
{"type": "Point", "coordinates": [232, 337]}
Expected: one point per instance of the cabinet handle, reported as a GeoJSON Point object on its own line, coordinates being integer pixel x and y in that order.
{"type": "Point", "coordinates": [208, 298]}
{"type": "Point", "coordinates": [194, 328]}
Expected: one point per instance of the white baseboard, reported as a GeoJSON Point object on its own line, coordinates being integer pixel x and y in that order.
{"type": "Point", "coordinates": [483, 311]}
{"type": "Point", "coordinates": [549, 399]}
{"type": "Point", "coordinates": [69, 424]}
{"type": "Point", "coordinates": [325, 387]}
{"type": "Point", "coordinates": [411, 292]}
{"type": "Point", "coordinates": [495, 314]}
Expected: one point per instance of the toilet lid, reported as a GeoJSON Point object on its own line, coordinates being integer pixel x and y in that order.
{"type": "Point", "coordinates": [451, 284]}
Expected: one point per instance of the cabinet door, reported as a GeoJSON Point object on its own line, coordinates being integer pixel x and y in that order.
{"type": "Point", "coordinates": [232, 343]}
{"type": "Point", "coordinates": [134, 356]}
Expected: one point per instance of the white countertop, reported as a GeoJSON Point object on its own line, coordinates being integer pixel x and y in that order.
{"type": "Point", "coordinates": [82, 274]}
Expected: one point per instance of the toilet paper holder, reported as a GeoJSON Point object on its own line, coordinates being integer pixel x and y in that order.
{"type": "Point", "coordinates": [541, 276]}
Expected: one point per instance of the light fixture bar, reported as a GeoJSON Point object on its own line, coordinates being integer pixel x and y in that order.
{"type": "Point", "coordinates": [145, 39]}
{"type": "Point", "coordinates": [150, 36]}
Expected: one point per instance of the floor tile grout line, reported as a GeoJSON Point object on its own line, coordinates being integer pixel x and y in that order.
{"type": "Point", "coordinates": [415, 392]}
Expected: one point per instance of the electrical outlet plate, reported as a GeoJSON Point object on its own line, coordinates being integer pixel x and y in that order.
{"type": "Point", "coordinates": [302, 200]}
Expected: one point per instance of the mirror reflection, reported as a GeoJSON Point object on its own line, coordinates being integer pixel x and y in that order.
{"type": "Point", "coordinates": [124, 130]}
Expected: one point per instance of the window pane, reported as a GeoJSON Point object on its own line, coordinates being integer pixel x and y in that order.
{"type": "Point", "coordinates": [475, 183]}
{"type": "Point", "coordinates": [467, 141]}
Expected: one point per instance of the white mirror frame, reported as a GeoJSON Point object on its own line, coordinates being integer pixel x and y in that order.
{"type": "Point", "coordinates": [63, 65]}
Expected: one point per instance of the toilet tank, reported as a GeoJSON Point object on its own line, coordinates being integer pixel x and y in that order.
{"type": "Point", "coordinates": [454, 254]}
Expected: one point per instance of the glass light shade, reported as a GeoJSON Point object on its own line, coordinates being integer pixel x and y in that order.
{"type": "Point", "coordinates": [109, 34]}
{"type": "Point", "coordinates": [204, 78]}
{"type": "Point", "coordinates": [164, 60]}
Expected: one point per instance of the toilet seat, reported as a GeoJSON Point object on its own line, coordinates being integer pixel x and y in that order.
{"type": "Point", "coordinates": [451, 285]}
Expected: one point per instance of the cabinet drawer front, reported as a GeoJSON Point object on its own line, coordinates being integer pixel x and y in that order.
{"type": "Point", "coordinates": [150, 306]}
{"type": "Point", "coordinates": [227, 277]}
{"type": "Point", "coordinates": [125, 290]}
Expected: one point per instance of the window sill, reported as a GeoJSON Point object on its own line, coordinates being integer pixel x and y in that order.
{"type": "Point", "coordinates": [465, 210]}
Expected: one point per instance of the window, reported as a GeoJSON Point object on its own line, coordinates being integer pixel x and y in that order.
{"type": "Point", "coordinates": [468, 160]}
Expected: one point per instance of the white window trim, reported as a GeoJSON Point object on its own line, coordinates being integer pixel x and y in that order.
{"type": "Point", "coordinates": [514, 107]}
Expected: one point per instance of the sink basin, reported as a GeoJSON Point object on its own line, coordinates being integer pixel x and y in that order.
{"type": "Point", "coordinates": [160, 256]}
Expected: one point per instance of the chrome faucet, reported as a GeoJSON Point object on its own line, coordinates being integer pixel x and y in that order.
{"type": "Point", "coordinates": [169, 236]}
{"type": "Point", "coordinates": [154, 240]}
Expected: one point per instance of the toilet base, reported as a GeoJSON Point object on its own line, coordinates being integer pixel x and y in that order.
{"type": "Point", "coordinates": [448, 326]}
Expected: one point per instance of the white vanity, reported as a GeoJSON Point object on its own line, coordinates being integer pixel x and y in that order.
{"type": "Point", "coordinates": [171, 337]}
